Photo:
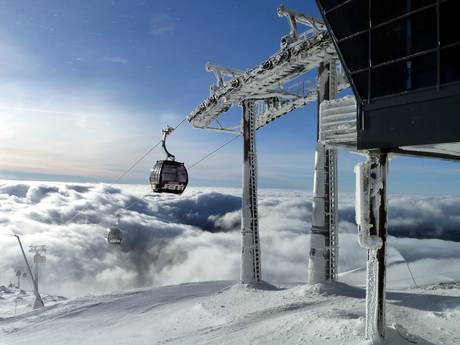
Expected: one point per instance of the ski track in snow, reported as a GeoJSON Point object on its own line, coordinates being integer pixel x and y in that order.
{"type": "Point", "coordinates": [225, 312]}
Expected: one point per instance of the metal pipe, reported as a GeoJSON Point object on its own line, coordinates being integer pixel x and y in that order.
{"type": "Point", "coordinates": [371, 217]}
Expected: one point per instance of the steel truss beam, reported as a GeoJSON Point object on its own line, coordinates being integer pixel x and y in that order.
{"type": "Point", "coordinates": [267, 79]}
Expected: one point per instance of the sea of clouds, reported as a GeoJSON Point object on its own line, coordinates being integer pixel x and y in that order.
{"type": "Point", "coordinates": [172, 239]}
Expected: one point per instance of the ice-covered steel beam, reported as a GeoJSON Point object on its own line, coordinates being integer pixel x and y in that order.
{"type": "Point", "coordinates": [251, 271]}
{"type": "Point", "coordinates": [288, 63]}
{"type": "Point", "coordinates": [295, 17]}
{"type": "Point", "coordinates": [275, 109]}
{"type": "Point", "coordinates": [323, 255]}
{"type": "Point", "coordinates": [221, 72]}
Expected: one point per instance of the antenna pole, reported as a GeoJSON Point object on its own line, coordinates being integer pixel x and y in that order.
{"type": "Point", "coordinates": [38, 303]}
{"type": "Point", "coordinates": [250, 247]}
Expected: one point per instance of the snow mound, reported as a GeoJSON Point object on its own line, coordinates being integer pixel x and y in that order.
{"type": "Point", "coordinates": [17, 301]}
{"type": "Point", "coordinates": [223, 312]}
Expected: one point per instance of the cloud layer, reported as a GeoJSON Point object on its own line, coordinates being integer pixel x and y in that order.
{"type": "Point", "coordinates": [170, 239]}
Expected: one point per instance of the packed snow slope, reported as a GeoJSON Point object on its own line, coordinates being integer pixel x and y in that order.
{"type": "Point", "coordinates": [225, 312]}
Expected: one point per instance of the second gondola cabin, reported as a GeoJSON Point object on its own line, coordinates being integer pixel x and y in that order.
{"type": "Point", "coordinates": [114, 236]}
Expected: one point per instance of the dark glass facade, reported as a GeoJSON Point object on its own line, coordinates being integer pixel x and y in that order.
{"type": "Point", "coordinates": [392, 46]}
{"type": "Point", "coordinates": [401, 56]}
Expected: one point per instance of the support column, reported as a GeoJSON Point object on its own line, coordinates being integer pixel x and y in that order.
{"type": "Point", "coordinates": [371, 217]}
{"type": "Point", "coordinates": [323, 257]}
{"type": "Point", "coordinates": [250, 245]}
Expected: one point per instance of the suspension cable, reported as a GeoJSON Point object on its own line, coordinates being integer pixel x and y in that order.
{"type": "Point", "coordinates": [133, 165]}
{"type": "Point", "coordinates": [212, 152]}
{"type": "Point", "coordinates": [140, 159]}
{"type": "Point", "coordinates": [130, 168]}
{"type": "Point", "coordinates": [190, 167]}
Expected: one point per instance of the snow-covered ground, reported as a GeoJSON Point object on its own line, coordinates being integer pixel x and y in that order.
{"type": "Point", "coordinates": [225, 312]}
{"type": "Point", "coordinates": [171, 240]}
{"type": "Point", "coordinates": [17, 301]}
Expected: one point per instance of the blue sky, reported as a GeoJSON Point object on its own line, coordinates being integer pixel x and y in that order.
{"type": "Point", "coordinates": [87, 86]}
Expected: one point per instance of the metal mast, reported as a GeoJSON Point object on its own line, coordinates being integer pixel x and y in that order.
{"type": "Point", "coordinates": [250, 245]}
{"type": "Point", "coordinates": [38, 303]}
{"type": "Point", "coordinates": [323, 257]}
{"type": "Point", "coordinates": [270, 86]}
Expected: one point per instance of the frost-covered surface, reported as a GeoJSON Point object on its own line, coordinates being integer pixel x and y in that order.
{"type": "Point", "coordinates": [228, 313]}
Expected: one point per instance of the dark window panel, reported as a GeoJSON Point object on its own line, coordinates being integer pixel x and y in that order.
{"type": "Point", "coordinates": [416, 4]}
{"type": "Point", "coordinates": [386, 10]}
{"type": "Point", "coordinates": [350, 18]}
{"type": "Point", "coordinates": [450, 66]}
{"type": "Point", "coordinates": [389, 42]}
{"type": "Point", "coordinates": [390, 79]}
{"type": "Point", "coordinates": [423, 25]}
{"type": "Point", "coordinates": [361, 83]}
{"type": "Point", "coordinates": [404, 37]}
{"type": "Point", "coordinates": [328, 4]}
{"type": "Point", "coordinates": [422, 71]}
{"type": "Point", "coordinates": [356, 51]}
{"type": "Point", "coordinates": [449, 21]}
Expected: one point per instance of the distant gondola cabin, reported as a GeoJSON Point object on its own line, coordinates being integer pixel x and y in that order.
{"type": "Point", "coordinates": [114, 236]}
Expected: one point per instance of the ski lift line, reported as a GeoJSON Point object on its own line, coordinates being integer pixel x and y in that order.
{"type": "Point", "coordinates": [146, 154]}
{"type": "Point", "coordinates": [133, 165]}
{"type": "Point", "coordinates": [193, 165]}
{"type": "Point", "coordinates": [214, 151]}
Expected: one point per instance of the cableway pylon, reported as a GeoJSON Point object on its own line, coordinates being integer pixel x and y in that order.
{"type": "Point", "coordinates": [266, 92]}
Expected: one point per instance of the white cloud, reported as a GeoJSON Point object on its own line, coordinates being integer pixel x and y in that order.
{"type": "Point", "coordinates": [170, 239]}
{"type": "Point", "coordinates": [117, 59]}
{"type": "Point", "coordinates": [79, 131]}
{"type": "Point", "coordinates": [162, 24]}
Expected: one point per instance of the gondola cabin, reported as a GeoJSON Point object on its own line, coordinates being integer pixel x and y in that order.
{"type": "Point", "coordinates": [114, 236]}
{"type": "Point", "coordinates": [168, 176]}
